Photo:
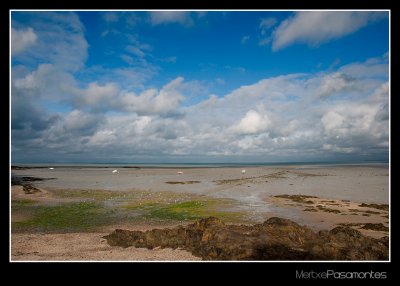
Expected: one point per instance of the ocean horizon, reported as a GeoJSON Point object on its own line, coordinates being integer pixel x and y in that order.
{"type": "Point", "coordinates": [200, 165]}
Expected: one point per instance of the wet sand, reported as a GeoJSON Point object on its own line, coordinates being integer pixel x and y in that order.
{"type": "Point", "coordinates": [339, 188]}
{"type": "Point", "coordinates": [319, 213]}
{"type": "Point", "coordinates": [86, 246]}
{"type": "Point", "coordinates": [356, 183]}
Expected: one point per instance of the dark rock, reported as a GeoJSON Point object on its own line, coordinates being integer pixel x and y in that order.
{"type": "Point", "coordinates": [275, 239]}
{"type": "Point", "coordinates": [182, 182]}
{"type": "Point", "coordinates": [33, 179]}
{"type": "Point", "coordinates": [384, 207]}
{"type": "Point", "coordinates": [298, 198]}
{"type": "Point", "coordinates": [29, 189]}
{"type": "Point", "coordinates": [375, 226]}
{"type": "Point", "coordinates": [19, 168]}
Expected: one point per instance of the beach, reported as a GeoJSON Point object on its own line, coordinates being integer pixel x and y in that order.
{"type": "Point", "coordinates": [95, 201]}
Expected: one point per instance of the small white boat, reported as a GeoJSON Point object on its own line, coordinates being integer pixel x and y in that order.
{"type": "Point", "coordinates": [179, 173]}
{"type": "Point", "coordinates": [51, 168]}
{"type": "Point", "coordinates": [243, 171]}
{"type": "Point", "coordinates": [115, 171]}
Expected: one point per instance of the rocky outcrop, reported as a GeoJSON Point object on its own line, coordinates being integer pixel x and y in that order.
{"type": "Point", "coordinates": [25, 183]}
{"type": "Point", "coordinates": [275, 239]}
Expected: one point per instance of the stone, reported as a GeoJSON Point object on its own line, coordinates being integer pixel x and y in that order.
{"type": "Point", "coordinates": [274, 239]}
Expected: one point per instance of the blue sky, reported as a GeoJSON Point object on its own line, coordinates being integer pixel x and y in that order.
{"type": "Point", "coordinates": [187, 86]}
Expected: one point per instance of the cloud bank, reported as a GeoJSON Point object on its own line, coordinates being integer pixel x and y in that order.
{"type": "Point", "coordinates": [328, 115]}
{"type": "Point", "coordinates": [317, 27]}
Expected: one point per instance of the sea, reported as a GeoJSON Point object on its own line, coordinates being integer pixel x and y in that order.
{"type": "Point", "coordinates": [202, 165]}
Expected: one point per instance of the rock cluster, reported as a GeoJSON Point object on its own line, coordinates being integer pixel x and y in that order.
{"type": "Point", "coordinates": [275, 239]}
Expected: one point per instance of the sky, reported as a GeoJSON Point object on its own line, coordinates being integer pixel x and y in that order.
{"type": "Point", "coordinates": [199, 86]}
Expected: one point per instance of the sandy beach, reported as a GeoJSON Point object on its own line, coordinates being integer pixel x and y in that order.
{"type": "Point", "coordinates": [320, 197]}
{"type": "Point", "coordinates": [86, 247]}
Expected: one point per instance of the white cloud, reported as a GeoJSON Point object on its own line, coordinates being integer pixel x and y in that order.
{"type": "Point", "coordinates": [317, 27]}
{"type": "Point", "coordinates": [97, 97]}
{"type": "Point", "coordinates": [22, 39]}
{"type": "Point", "coordinates": [130, 78]}
{"type": "Point", "coordinates": [136, 54]}
{"type": "Point", "coordinates": [332, 83]}
{"type": "Point", "coordinates": [104, 33]}
{"type": "Point", "coordinates": [332, 121]}
{"type": "Point", "coordinates": [381, 93]}
{"type": "Point", "coordinates": [266, 24]}
{"type": "Point", "coordinates": [46, 82]}
{"type": "Point", "coordinates": [240, 69]}
{"type": "Point", "coordinates": [102, 139]}
{"type": "Point", "coordinates": [127, 17]}
{"type": "Point", "coordinates": [356, 128]}
{"type": "Point", "coordinates": [220, 80]}
{"type": "Point", "coordinates": [372, 68]}
{"type": "Point", "coordinates": [110, 17]}
{"type": "Point", "coordinates": [60, 41]}
{"type": "Point", "coordinates": [128, 59]}
{"type": "Point", "coordinates": [78, 120]}
{"type": "Point", "coordinates": [169, 60]}
{"type": "Point", "coordinates": [253, 122]}
{"type": "Point", "coordinates": [201, 14]}
{"type": "Point", "coordinates": [166, 17]}
{"type": "Point", "coordinates": [279, 87]}
{"type": "Point", "coordinates": [153, 101]}
{"type": "Point", "coordinates": [136, 51]}
{"type": "Point", "coordinates": [245, 39]}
